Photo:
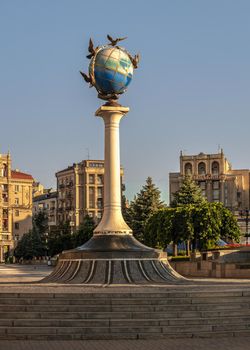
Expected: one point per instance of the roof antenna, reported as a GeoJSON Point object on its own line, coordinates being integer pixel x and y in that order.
{"type": "Point", "coordinates": [87, 149]}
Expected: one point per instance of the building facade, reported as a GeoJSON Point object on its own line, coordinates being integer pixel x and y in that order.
{"type": "Point", "coordinates": [15, 205]}
{"type": "Point", "coordinates": [216, 178]}
{"type": "Point", "coordinates": [46, 202]}
{"type": "Point", "coordinates": [80, 191]}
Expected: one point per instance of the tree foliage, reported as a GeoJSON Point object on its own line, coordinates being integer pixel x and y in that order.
{"type": "Point", "coordinates": [202, 224]}
{"type": "Point", "coordinates": [145, 203]}
{"type": "Point", "coordinates": [189, 193]}
{"type": "Point", "coordinates": [34, 243]}
{"type": "Point", "coordinates": [85, 231]}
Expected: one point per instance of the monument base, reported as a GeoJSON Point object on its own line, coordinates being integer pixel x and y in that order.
{"type": "Point", "coordinates": [113, 259]}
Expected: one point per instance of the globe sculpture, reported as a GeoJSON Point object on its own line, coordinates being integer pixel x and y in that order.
{"type": "Point", "coordinates": [111, 69]}
{"type": "Point", "coordinates": [112, 255]}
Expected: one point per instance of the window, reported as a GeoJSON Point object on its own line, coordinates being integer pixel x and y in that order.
{"type": "Point", "coordinates": [5, 197]}
{"type": "Point", "coordinates": [216, 195]}
{"type": "Point", "coordinates": [17, 225]}
{"type": "Point", "coordinates": [99, 203]}
{"type": "Point", "coordinates": [203, 192]}
{"type": "Point", "coordinates": [188, 169]}
{"type": "Point", "coordinates": [99, 215]}
{"type": "Point", "coordinates": [202, 168]}
{"type": "Point", "coordinates": [91, 178]}
{"type": "Point", "coordinates": [100, 179]}
{"type": "Point", "coordinates": [16, 188]}
{"type": "Point", "coordinates": [5, 187]}
{"type": "Point", "coordinates": [5, 225]}
{"type": "Point", "coordinates": [216, 185]}
{"type": "Point", "coordinates": [16, 212]}
{"type": "Point", "coordinates": [5, 170]}
{"type": "Point", "coordinates": [99, 192]}
{"type": "Point", "coordinates": [91, 197]}
{"type": "Point", "coordinates": [215, 168]}
{"type": "Point", "coordinates": [90, 214]}
{"type": "Point", "coordinates": [16, 201]}
{"type": "Point", "coordinates": [202, 185]}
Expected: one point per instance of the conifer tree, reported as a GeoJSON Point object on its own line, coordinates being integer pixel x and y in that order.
{"type": "Point", "coordinates": [145, 203]}
{"type": "Point", "coordinates": [85, 231]}
{"type": "Point", "coordinates": [189, 193]}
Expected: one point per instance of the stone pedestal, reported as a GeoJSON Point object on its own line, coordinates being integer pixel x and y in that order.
{"type": "Point", "coordinates": [113, 255]}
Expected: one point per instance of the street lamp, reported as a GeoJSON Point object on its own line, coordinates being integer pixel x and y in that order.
{"type": "Point", "coordinates": [244, 214]}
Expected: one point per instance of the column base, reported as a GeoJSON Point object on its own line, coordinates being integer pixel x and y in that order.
{"type": "Point", "coordinates": [106, 260]}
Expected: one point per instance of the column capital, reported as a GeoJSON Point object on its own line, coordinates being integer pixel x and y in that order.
{"type": "Point", "coordinates": [113, 109]}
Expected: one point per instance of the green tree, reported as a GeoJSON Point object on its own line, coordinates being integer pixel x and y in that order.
{"type": "Point", "coordinates": [145, 203]}
{"type": "Point", "coordinates": [85, 231]}
{"type": "Point", "coordinates": [230, 230]}
{"type": "Point", "coordinates": [189, 193]}
{"type": "Point", "coordinates": [33, 243]}
{"type": "Point", "coordinates": [169, 225]}
{"type": "Point", "coordinates": [206, 225]}
{"type": "Point", "coordinates": [24, 248]}
{"type": "Point", "coordinates": [60, 238]}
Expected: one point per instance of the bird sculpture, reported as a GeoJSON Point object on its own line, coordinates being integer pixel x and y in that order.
{"type": "Point", "coordinates": [113, 42]}
{"type": "Point", "coordinates": [92, 49]}
{"type": "Point", "coordinates": [135, 60]}
{"type": "Point", "coordinates": [87, 78]}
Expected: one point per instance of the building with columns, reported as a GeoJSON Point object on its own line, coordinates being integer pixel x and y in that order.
{"type": "Point", "coordinates": [46, 202]}
{"type": "Point", "coordinates": [80, 191]}
{"type": "Point", "coordinates": [15, 205]}
{"type": "Point", "coordinates": [217, 179]}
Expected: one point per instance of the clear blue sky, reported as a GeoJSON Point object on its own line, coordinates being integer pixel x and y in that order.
{"type": "Point", "coordinates": [191, 92]}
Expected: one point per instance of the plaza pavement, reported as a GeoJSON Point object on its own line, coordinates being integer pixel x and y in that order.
{"type": "Point", "coordinates": [17, 278]}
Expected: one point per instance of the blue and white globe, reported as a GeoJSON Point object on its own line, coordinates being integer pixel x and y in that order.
{"type": "Point", "coordinates": [111, 70]}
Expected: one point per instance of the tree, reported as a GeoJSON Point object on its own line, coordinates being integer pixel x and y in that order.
{"type": "Point", "coordinates": [60, 238]}
{"type": "Point", "coordinates": [169, 225]}
{"type": "Point", "coordinates": [146, 202]}
{"type": "Point", "coordinates": [85, 231]}
{"type": "Point", "coordinates": [206, 224]}
{"type": "Point", "coordinates": [33, 243]}
{"type": "Point", "coordinates": [189, 193]}
{"type": "Point", "coordinates": [230, 229]}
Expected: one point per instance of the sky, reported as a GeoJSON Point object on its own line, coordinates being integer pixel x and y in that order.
{"type": "Point", "coordinates": [191, 91]}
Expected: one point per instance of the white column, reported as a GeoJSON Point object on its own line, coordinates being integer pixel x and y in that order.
{"type": "Point", "coordinates": [112, 220]}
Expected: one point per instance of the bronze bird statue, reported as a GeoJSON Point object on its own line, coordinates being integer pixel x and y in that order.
{"type": "Point", "coordinates": [92, 49]}
{"type": "Point", "coordinates": [86, 78]}
{"type": "Point", "coordinates": [135, 60]}
{"type": "Point", "coordinates": [115, 41]}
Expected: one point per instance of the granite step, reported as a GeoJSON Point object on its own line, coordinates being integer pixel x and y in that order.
{"type": "Point", "coordinates": [67, 316]}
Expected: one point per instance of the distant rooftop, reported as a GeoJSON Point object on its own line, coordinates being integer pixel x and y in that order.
{"type": "Point", "coordinates": [20, 176]}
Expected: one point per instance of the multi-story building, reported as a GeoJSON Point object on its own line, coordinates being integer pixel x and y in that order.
{"type": "Point", "coordinates": [216, 178]}
{"type": "Point", "coordinates": [15, 205]}
{"type": "Point", "coordinates": [80, 191]}
{"type": "Point", "coordinates": [46, 202]}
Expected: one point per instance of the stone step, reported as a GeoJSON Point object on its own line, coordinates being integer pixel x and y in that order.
{"type": "Point", "coordinates": [125, 301]}
{"type": "Point", "coordinates": [136, 295]}
{"type": "Point", "coordinates": [139, 296]}
{"type": "Point", "coordinates": [62, 316]}
{"type": "Point", "coordinates": [73, 322]}
{"type": "Point", "coordinates": [55, 334]}
{"type": "Point", "coordinates": [116, 313]}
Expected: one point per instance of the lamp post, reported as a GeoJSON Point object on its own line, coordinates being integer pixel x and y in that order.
{"type": "Point", "coordinates": [244, 214]}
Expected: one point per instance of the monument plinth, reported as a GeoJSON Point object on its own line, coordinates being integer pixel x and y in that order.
{"type": "Point", "coordinates": [112, 255]}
